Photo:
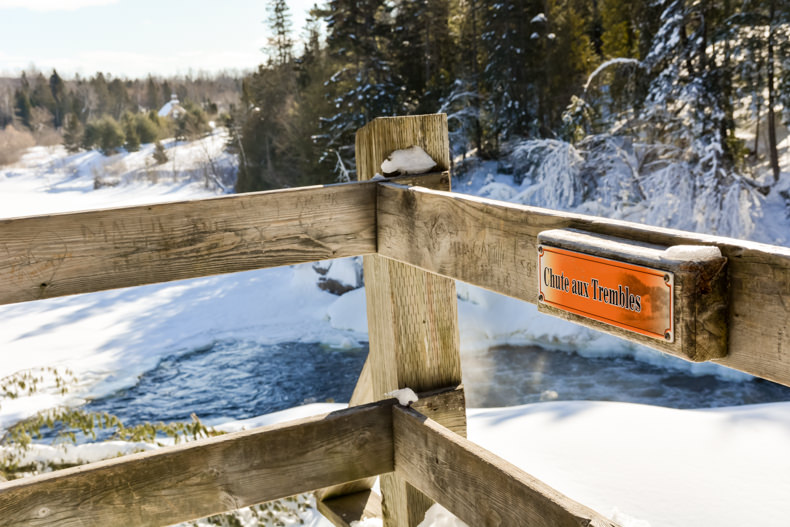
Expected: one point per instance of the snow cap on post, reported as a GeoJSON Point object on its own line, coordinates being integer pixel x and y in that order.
{"type": "Point", "coordinates": [412, 160]}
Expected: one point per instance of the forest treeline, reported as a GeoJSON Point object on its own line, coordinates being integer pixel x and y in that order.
{"type": "Point", "coordinates": [683, 73]}
{"type": "Point", "coordinates": [107, 113]}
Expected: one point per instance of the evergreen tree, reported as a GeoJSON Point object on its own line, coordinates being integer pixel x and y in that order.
{"type": "Point", "coordinates": [159, 155]}
{"type": "Point", "coordinates": [363, 86]}
{"type": "Point", "coordinates": [41, 97]}
{"type": "Point", "coordinates": [463, 103]}
{"type": "Point", "coordinates": [58, 90]}
{"type": "Point", "coordinates": [153, 99]}
{"type": "Point", "coordinates": [191, 124]}
{"type": "Point", "coordinates": [72, 133]}
{"type": "Point", "coordinates": [619, 24]}
{"type": "Point", "coordinates": [777, 51]}
{"type": "Point", "coordinates": [105, 134]}
{"type": "Point", "coordinates": [22, 107]}
{"type": "Point", "coordinates": [146, 128]}
{"type": "Point", "coordinates": [167, 93]}
{"type": "Point", "coordinates": [685, 105]}
{"type": "Point", "coordinates": [572, 57]}
{"type": "Point", "coordinates": [119, 98]}
{"type": "Point", "coordinates": [128, 123]}
{"type": "Point", "coordinates": [277, 134]}
{"type": "Point", "coordinates": [101, 103]}
{"type": "Point", "coordinates": [517, 43]}
{"type": "Point", "coordinates": [265, 93]}
{"type": "Point", "coordinates": [301, 127]}
{"type": "Point", "coordinates": [279, 21]}
{"type": "Point", "coordinates": [423, 53]}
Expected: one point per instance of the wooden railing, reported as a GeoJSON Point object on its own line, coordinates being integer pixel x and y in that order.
{"type": "Point", "coordinates": [417, 238]}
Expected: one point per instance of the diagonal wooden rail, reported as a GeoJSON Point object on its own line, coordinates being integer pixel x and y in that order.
{"type": "Point", "coordinates": [210, 476]}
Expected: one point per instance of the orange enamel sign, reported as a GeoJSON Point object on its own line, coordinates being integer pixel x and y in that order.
{"type": "Point", "coordinates": [628, 296]}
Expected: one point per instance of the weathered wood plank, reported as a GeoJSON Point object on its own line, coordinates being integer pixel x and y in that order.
{"type": "Point", "coordinates": [494, 245]}
{"type": "Point", "coordinates": [475, 485]}
{"type": "Point", "coordinates": [343, 504]}
{"type": "Point", "coordinates": [412, 315]}
{"type": "Point", "coordinates": [62, 254]}
{"type": "Point", "coordinates": [209, 476]}
{"type": "Point", "coordinates": [363, 391]}
{"type": "Point", "coordinates": [446, 406]}
{"type": "Point", "coordinates": [381, 136]}
{"type": "Point", "coordinates": [699, 288]}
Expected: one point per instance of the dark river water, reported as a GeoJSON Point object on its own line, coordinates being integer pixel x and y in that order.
{"type": "Point", "coordinates": [241, 379]}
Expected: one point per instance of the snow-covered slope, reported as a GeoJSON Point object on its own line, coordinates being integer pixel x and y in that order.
{"type": "Point", "coordinates": [48, 179]}
{"type": "Point", "coordinates": [614, 177]}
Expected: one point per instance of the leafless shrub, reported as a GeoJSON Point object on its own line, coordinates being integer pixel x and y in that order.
{"type": "Point", "coordinates": [13, 143]}
{"type": "Point", "coordinates": [48, 137]}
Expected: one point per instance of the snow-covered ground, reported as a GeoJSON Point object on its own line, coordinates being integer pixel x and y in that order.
{"type": "Point", "coordinates": [640, 465]}
{"type": "Point", "coordinates": [48, 179]}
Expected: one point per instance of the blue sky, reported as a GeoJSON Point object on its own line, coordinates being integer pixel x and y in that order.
{"type": "Point", "coordinates": [131, 38]}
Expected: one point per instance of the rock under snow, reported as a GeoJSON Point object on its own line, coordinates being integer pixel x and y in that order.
{"type": "Point", "coordinates": [339, 276]}
{"type": "Point", "coordinates": [413, 160]}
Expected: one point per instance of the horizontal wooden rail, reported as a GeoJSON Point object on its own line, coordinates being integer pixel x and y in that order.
{"type": "Point", "coordinates": [342, 504]}
{"type": "Point", "coordinates": [216, 475]}
{"type": "Point", "coordinates": [62, 254]}
{"type": "Point", "coordinates": [210, 476]}
{"type": "Point", "coordinates": [475, 485]}
{"type": "Point", "coordinates": [492, 244]}
{"type": "Point", "coordinates": [83, 252]}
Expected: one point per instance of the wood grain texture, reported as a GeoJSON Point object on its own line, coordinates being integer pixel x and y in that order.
{"type": "Point", "coordinates": [363, 391]}
{"type": "Point", "coordinates": [63, 254]}
{"type": "Point", "coordinates": [381, 136]}
{"type": "Point", "coordinates": [493, 245]}
{"type": "Point", "coordinates": [446, 406]}
{"type": "Point", "coordinates": [475, 485]}
{"type": "Point", "coordinates": [209, 476]}
{"type": "Point", "coordinates": [700, 288]}
{"type": "Point", "coordinates": [412, 315]}
{"type": "Point", "coordinates": [73, 253]}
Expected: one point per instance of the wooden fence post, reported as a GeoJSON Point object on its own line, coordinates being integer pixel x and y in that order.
{"type": "Point", "coordinates": [412, 314]}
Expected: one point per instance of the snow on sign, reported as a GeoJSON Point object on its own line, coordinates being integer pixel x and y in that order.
{"type": "Point", "coordinates": [628, 296]}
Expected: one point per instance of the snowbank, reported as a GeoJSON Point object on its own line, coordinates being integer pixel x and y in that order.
{"type": "Point", "coordinates": [659, 466]}
{"type": "Point", "coordinates": [642, 466]}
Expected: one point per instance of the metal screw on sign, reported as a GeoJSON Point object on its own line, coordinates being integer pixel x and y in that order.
{"type": "Point", "coordinates": [540, 249]}
{"type": "Point", "coordinates": [667, 335]}
{"type": "Point", "coordinates": [666, 279]}
{"type": "Point", "coordinates": [540, 297]}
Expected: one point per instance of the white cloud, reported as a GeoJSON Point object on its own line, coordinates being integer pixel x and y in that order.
{"type": "Point", "coordinates": [53, 5]}
{"type": "Point", "coordinates": [135, 65]}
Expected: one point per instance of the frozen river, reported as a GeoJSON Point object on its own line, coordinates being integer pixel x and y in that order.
{"type": "Point", "coordinates": [242, 379]}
